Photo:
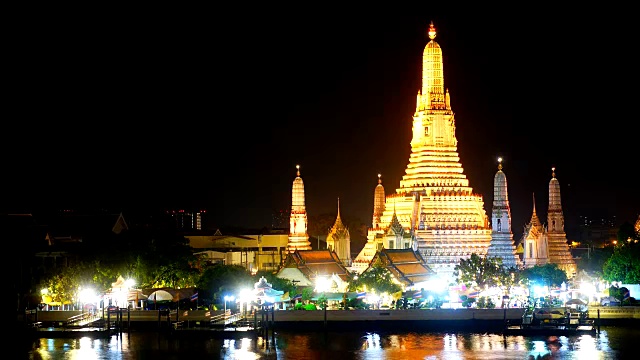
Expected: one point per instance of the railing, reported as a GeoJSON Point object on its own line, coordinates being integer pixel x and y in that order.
{"type": "Point", "coordinates": [83, 319]}
{"type": "Point", "coordinates": [226, 318]}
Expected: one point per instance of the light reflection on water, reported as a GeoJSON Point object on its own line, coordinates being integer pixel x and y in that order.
{"type": "Point", "coordinates": [610, 343]}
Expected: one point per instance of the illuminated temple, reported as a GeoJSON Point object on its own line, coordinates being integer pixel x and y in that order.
{"type": "Point", "coordinates": [435, 210]}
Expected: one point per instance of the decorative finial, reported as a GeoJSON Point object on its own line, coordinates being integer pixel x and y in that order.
{"type": "Point", "coordinates": [298, 170]}
{"type": "Point", "coordinates": [432, 31]}
{"type": "Point", "coordinates": [499, 163]}
{"type": "Point", "coordinates": [553, 172]}
{"type": "Point", "coordinates": [379, 180]}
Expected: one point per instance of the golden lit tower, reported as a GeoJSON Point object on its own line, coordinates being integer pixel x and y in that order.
{"type": "Point", "coordinates": [378, 234]}
{"type": "Point", "coordinates": [339, 240]}
{"type": "Point", "coordinates": [559, 252]}
{"type": "Point", "coordinates": [502, 245]}
{"type": "Point", "coordinates": [378, 203]}
{"type": "Point", "coordinates": [442, 217]}
{"type": "Point", "coordinates": [298, 237]}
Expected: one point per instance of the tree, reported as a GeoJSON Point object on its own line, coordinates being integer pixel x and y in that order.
{"type": "Point", "coordinates": [626, 234]}
{"type": "Point", "coordinates": [545, 275]}
{"type": "Point", "coordinates": [376, 278]}
{"type": "Point", "coordinates": [594, 262]}
{"type": "Point", "coordinates": [623, 265]}
{"type": "Point", "coordinates": [619, 293]}
{"type": "Point", "coordinates": [477, 271]}
{"type": "Point", "coordinates": [307, 294]}
{"type": "Point", "coordinates": [322, 300]}
{"type": "Point", "coordinates": [219, 280]}
{"type": "Point", "coordinates": [62, 285]}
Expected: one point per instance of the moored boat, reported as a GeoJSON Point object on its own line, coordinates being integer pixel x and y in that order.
{"type": "Point", "coordinates": [553, 321]}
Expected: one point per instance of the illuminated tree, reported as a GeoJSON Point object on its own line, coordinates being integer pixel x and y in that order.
{"type": "Point", "coordinates": [623, 265]}
{"type": "Point", "coordinates": [377, 278]}
{"type": "Point", "coordinates": [480, 272]}
{"type": "Point", "coordinates": [219, 279]}
{"type": "Point", "coordinates": [548, 275]}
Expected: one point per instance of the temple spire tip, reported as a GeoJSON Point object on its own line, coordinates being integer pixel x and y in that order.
{"type": "Point", "coordinates": [432, 31]}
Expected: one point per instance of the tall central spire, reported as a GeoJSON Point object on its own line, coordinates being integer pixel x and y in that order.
{"type": "Point", "coordinates": [441, 216]}
{"type": "Point", "coordinates": [432, 76]}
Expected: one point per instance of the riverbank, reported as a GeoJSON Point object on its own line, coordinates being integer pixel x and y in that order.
{"type": "Point", "coordinates": [424, 319]}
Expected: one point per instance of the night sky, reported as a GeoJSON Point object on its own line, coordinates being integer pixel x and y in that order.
{"type": "Point", "coordinates": [215, 112]}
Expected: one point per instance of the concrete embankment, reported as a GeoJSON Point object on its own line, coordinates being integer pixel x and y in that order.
{"type": "Point", "coordinates": [423, 319]}
{"type": "Point", "coordinates": [430, 319]}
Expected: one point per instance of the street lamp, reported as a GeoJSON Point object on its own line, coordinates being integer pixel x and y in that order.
{"type": "Point", "coordinates": [227, 298]}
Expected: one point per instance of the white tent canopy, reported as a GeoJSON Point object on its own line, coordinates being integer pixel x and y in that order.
{"type": "Point", "coordinates": [160, 295]}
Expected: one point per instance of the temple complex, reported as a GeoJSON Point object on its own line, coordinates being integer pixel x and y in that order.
{"type": "Point", "coordinates": [548, 244]}
{"type": "Point", "coordinates": [339, 240]}
{"type": "Point", "coordinates": [502, 246]}
{"type": "Point", "coordinates": [298, 237]}
{"type": "Point", "coordinates": [434, 211]}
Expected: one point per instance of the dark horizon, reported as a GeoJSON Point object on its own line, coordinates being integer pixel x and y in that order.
{"type": "Point", "coordinates": [218, 118]}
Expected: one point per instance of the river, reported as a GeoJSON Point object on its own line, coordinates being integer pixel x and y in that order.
{"type": "Point", "coordinates": [609, 343]}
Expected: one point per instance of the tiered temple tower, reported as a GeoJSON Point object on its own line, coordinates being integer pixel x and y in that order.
{"type": "Point", "coordinates": [339, 240]}
{"type": "Point", "coordinates": [502, 245]}
{"type": "Point", "coordinates": [557, 239]}
{"type": "Point", "coordinates": [441, 216]}
{"type": "Point", "coordinates": [378, 203]}
{"type": "Point", "coordinates": [298, 237]}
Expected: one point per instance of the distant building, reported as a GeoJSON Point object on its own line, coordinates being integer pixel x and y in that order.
{"type": "Point", "coordinates": [186, 220]}
{"type": "Point", "coordinates": [597, 232]}
{"type": "Point", "coordinates": [258, 251]}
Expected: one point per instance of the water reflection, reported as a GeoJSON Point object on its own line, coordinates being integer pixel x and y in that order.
{"type": "Point", "coordinates": [611, 343]}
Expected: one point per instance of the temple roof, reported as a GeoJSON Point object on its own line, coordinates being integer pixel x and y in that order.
{"type": "Point", "coordinates": [406, 265]}
{"type": "Point", "coordinates": [399, 256]}
{"type": "Point", "coordinates": [339, 230]}
{"type": "Point", "coordinates": [534, 222]}
{"type": "Point", "coordinates": [317, 262]}
{"type": "Point", "coordinates": [395, 225]}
